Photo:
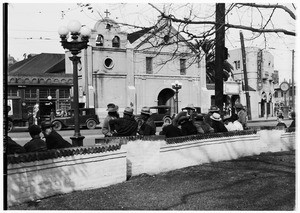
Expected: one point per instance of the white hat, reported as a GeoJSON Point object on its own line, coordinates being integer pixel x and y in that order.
{"type": "Point", "coordinates": [216, 116]}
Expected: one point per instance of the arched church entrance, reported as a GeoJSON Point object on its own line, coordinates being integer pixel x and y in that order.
{"type": "Point", "coordinates": [166, 97]}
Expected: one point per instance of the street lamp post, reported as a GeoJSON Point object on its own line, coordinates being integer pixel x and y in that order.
{"type": "Point", "coordinates": [177, 86]}
{"type": "Point", "coordinates": [79, 40]}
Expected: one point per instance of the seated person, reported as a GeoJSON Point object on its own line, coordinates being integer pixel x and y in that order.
{"type": "Point", "coordinates": [170, 131]}
{"type": "Point", "coordinates": [126, 126]}
{"type": "Point", "coordinates": [232, 124]}
{"type": "Point", "coordinates": [280, 121]}
{"type": "Point", "coordinates": [148, 126]}
{"type": "Point", "coordinates": [36, 144]}
{"type": "Point", "coordinates": [292, 127]}
{"type": "Point", "coordinates": [187, 126]}
{"type": "Point", "coordinates": [12, 147]}
{"type": "Point", "coordinates": [201, 125]}
{"type": "Point", "coordinates": [53, 139]}
{"type": "Point", "coordinates": [217, 123]}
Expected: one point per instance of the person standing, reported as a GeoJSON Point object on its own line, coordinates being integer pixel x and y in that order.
{"type": "Point", "coordinates": [242, 115]}
{"type": "Point", "coordinates": [126, 126]}
{"type": "Point", "coordinates": [36, 114]}
{"type": "Point", "coordinates": [217, 123]}
{"type": "Point", "coordinates": [36, 144]}
{"type": "Point", "coordinates": [147, 126]}
{"type": "Point", "coordinates": [53, 139]}
{"type": "Point", "coordinates": [111, 115]}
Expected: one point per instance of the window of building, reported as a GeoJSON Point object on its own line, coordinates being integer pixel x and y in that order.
{"type": "Point", "coordinates": [108, 63]}
{"type": "Point", "coordinates": [182, 66]}
{"type": "Point", "coordinates": [116, 41]}
{"type": "Point", "coordinates": [44, 93]}
{"type": "Point", "coordinates": [64, 93]}
{"type": "Point", "coordinates": [30, 93]}
{"type": "Point", "coordinates": [99, 40]}
{"type": "Point", "coordinates": [237, 64]}
{"type": "Point", "coordinates": [276, 94]}
{"type": "Point", "coordinates": [149, 65]}
{"type": "Point", "coordinates": [12, 92]}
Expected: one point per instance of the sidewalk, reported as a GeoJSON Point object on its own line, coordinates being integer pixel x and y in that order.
{"type": "Point", "coordinates": [274, 118]}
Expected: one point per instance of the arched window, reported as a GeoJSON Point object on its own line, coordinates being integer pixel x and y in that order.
{"type": "Point", "coordinates": [116, 41]}
{"type": "Point", "coordinates": [99, 40]}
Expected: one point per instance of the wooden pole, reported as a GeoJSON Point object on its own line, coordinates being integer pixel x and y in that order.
{"type": "Point", "coordinates": [245, 76]}
{"type": "Point", "coordinates": [219, 57]}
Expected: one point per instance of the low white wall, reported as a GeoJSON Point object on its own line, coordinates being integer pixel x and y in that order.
{"type": "Point", "coordinates": [39, 179]}
{"type": "Point", "coordinates": [34, 180]}
{"type": "Point", "coordinates": [175, 156]}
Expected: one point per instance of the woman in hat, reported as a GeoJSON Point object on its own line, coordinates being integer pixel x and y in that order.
{"type": "Point", "coordinates": [211, 111]}
{"type": "Point", "coordinates": [217, 123]}
{"type": "Point", "coordinates": [148, 126]}
{"type": "Point", "coordinates": [126, 126]}
{"type": "Point", "coordinates": [111, 115]}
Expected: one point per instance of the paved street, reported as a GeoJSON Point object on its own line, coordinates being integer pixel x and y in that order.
{"type": "Point", "coordinates": [263, 182]}
{"type": "Point", "coordinates": [21, 136]}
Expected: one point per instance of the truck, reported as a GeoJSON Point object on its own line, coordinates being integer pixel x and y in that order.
{"type": "Point", "coordinates": [19, 114]}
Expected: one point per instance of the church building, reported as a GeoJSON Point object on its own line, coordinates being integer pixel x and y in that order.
{"type": "Point", "coordinates": [137, 69]}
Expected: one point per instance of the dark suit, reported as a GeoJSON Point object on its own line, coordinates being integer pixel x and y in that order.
{"type": "Point", "coordinates": [56, 141]}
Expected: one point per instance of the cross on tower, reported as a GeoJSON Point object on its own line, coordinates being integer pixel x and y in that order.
{"type": "Point", "coordinates": [106, 12]}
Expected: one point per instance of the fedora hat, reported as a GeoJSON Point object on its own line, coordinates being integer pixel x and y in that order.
{"type": "Point", "coordinates": [216, 116]}
{"type": "Point", "coordinates": [46, 125]}
{"type": "Point", "coordinates": [238, 106]}
{"type": "Point", "coordinates": [214, 109]}
{"type": "Point", "coordinates": [128, 111]}
{"type": "Point", "coordinates": [113, 109]}
{"type": "Point", "coordinates": [146, 111]}
{"type": "Point", "coordinates": [189, 106]}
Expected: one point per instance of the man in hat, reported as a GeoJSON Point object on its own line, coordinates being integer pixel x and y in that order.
{"type": "Point", "coordinates": [201, 125]}
{"type": "Point", "coordinates": [217, 123]}
{"type": "Point", "coordinates": [126, 126]}
{"type": "Point", "coordinates": [213, 109]}
{"type": "Point", "coordinates": [53, 139]}
{"type": "Point", "coordinates": [242, 115]}
{"type": "Point", "coordinates": [187, 126]}
{"type": "Point", "coordinates": [191, 111]}
{"type": "Point", "coordinates": [36, 144]}
{"type": "Point", "coordinates": [112, 113]}
{"type": "Point", "coordinates": [147, 127]}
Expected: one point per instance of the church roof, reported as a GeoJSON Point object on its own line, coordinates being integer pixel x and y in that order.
{"type": "Point", "coordinates": [44, 63]}
{"type": "Point", "coordinates": [132, 37]}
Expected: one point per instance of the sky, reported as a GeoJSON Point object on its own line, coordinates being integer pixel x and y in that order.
{"type": "Point", "coordinates": [32, 27]}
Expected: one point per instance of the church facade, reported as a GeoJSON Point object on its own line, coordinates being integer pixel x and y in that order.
{"type": "Point", "coordinates": [138, 69]}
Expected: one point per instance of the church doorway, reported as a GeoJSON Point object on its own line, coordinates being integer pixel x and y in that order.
{"type": "Point", "coordinates": [166, 97]}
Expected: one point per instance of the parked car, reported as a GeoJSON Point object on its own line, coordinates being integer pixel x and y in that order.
{"type": "Point", "coordinates": [87, 118]}
{"type": "Point", "coordinates": [160, 114]}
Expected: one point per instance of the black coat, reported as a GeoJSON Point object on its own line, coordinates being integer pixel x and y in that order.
{"type": "Point", "coordinates": [171, 131]}
{"type": "Point", "coordinates": [188, 128]}
{"type": "Point", "coordinates": [218, 126]}
{"type": "Point", "coordinates": [36, 145]}
{"type": "Point", "coordinates": [123, 126]}
{"type": "Point", "coordinates": [56, 141]}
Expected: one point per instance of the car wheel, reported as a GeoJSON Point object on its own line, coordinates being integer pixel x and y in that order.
{"type": "Point", "coordinates": [167, 120]}
{"type": "Point", "coordinates": [10, 126]}
{"type": "Point", "coordinates": [57, 125]}
{"type": "Point", "coordinates": [91, 124]}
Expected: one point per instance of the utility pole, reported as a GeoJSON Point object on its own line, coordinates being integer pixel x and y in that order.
{"type": "Point", "coordinates": [245, 76]}
{"type": "Point", "coordinates": [219, 57]}
{"type": "Point", "coordinates": [293, 86]}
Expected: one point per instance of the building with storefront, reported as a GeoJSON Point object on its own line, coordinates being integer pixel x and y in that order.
{"type": "Point", "coordinates": [40, 79]}
{"type": "Point", "coordinates": [261, 79]}
{"type": "Point", "coordinates": [134, 69]}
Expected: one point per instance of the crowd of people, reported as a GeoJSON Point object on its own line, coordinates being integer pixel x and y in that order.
{"type": "Point", "coordinates": [186, 122]}
{"type": "Point", "coordinates": [43, 138]}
